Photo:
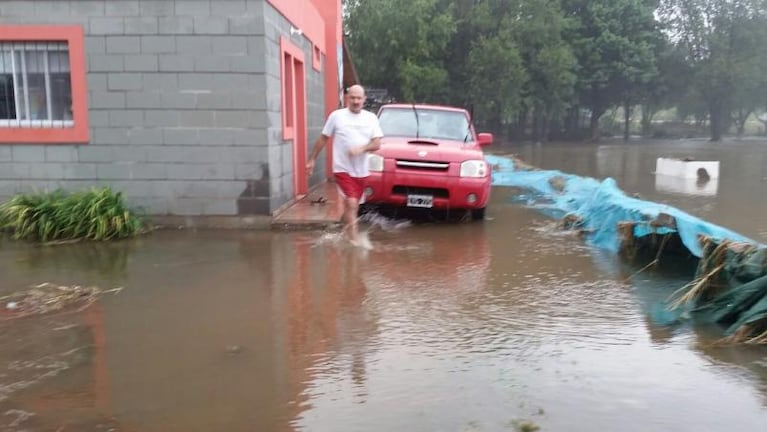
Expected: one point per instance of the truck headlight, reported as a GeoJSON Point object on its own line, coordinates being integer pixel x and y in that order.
{"type": "Point", "coordinates": [474, 168]}
{"type": "Point", "coordinates": [375, 162]}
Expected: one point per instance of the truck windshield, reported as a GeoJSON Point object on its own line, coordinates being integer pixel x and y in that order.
{"type": "Point", "coordinates": [425, 123]}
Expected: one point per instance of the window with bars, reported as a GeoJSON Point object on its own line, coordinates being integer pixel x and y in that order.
{"type": "Point", "coordinates": [35, 85]}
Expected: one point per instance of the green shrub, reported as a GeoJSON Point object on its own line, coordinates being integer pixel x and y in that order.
{"type": "Point", "coordinates": [94, 214]}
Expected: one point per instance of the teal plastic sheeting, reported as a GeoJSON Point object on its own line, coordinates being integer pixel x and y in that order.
{"type": "Point", "coordinates": [601, 205]}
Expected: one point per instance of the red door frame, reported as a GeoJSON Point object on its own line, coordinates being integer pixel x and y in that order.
{"type": "Point", "coordinates": [294, 126]}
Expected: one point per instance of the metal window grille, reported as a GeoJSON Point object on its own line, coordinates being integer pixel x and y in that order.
{"type": "Point", "coordinates": [35, 85]}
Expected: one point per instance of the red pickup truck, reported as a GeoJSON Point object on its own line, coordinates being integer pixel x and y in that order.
{"type": "Point", "coordinates": [430, 157]}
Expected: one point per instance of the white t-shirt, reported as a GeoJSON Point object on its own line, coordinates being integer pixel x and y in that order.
{"type": "Point", "coordinates": [351, 130]}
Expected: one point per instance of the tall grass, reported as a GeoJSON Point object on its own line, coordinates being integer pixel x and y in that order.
{"type": "Point", "coordinates": [93, 214]}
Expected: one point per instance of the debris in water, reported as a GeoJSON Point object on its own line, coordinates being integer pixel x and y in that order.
{"type": "Point", "coordinates": [47, 297]}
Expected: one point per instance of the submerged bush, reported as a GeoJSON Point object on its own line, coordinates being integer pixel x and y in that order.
{"type": "Point", "coordinates": [94, 214]}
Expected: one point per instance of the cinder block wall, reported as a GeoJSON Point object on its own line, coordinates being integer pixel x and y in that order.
{"type": "Point", "coordinates": [184, 106]}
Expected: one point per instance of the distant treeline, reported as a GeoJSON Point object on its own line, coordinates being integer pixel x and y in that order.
{"type": "Point", "coordinates": [551, 69]}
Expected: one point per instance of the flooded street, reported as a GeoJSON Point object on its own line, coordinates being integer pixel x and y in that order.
{"type": "Point", "coordinates": [441, 327]}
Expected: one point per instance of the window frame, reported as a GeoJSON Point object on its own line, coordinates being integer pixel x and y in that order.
{"type": "Point", "coordinates": [74, 37]}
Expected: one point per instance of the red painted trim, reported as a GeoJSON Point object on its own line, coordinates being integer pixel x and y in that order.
{"type": "Point", "coordinates": [73, 35]}
{"type": "Point", "coordinates": [301, 177]}
{"type": "Point", "coordinates": [288, 110]}
{"type": "Point", "coordinates": [305, 16]}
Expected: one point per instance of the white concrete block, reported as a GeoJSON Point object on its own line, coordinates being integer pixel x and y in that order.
{"type": "Point", "coordinates": [688, 169]}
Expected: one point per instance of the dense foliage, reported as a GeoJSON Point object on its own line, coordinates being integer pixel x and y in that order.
{"type": "Point", "coordinates": [544, 69]}
{"type": "Point", "coordinates": [94, 214]}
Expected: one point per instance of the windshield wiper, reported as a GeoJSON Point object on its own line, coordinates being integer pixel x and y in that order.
{"type": "Point", "coordinates": [417, 125]}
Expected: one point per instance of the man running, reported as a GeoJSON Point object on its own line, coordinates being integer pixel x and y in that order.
{"type": "Point", "coordinates": [356, 132]}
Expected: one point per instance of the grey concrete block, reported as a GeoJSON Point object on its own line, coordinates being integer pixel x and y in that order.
{"type": "Point", "coordinates": [98, 118]}
{"type": "Point", "coordinates": [211, 63]}
{"type": "Point", "coordinates": [252, 171]}
{"type": "Point", "coordinates": [228, 7]}
{"type": "Point", "coordinates": [145, 137]}
{"type": "Point", "coordinates": [113, 171]}
{"type": "Point", "coordinates": [216, 100]}
{"type": "Point", "coordinates": [211, 25]}
{"type": "Point", "coordinates": [144, 100]}
{"type": "Point", "coordinates": [245, 154]}
{"type": "Point", "coordinates": [229, 44]}
{"type": "Point", "coordinates": [141, 63]}
{"type": "Point", "coordinates": [216, 137]}
{"type": "Point", "coordinates": [28, 153]}
{"type": "Point", "coordinates": [178, 100]}
{"type": "Point", "coordinates": [220, 207]}
{"type": "Point", "coordinates": [87, 8]}
{"type": "Point", "coordinates": [112, 135]}
{"type": "Point", "coordinates": [160, 81]}
{"type": "Point", "coordinates": [126, 118]}
{"type": "Point", "coordinates": [5, 154]}
{"type": "Point", "coordinates": [97, 81]}
{"type": "Point", "coordinates": [197, 81]}
{"type": "Point", "coordinates": [46, 171]}
{"type": "Point", "coordinates": [231, 119]}
{"type": "Point", "coordinates": [54, 8]}
{"type": "Point", "coordinates": [184, 154]}
{"type": "Point", "coordinates": [161, 118]}
{"type": "Point", "coordinates": [105, 63]}
{"type": "Point", "coordinates": [181, 136]}
{"type": "Point", "coordinates": [247, 63]}
{"type": "Point", "coordinates": [149, 171]}
{"type": "Point", "coordinates": [95, 45]}
{"type": "Point", "coordinates": [158, 44]}
{"type": "Point", "coordinates": [254, 206]}
{"type": "Point", "coordinates": [248, 101]}
{"type": "Point", "coordinates": [186, 206]}
{"type": "Point", "coordinates": [106, 25]}
{"type": "Point", "coordinates": [246, 25]}
{"type": "Point", "coordinates": [122, 7]}
{"type": "Point", "coordinates": [14, 171]}
{"type": "Point", "coordinates": [257, 45]}
{"type": "Point", "coordinates": [197, 119]}
{"type": "Point", "coordinates": [128, 153]}
{"type": "Point", "coordinates": [251, 137]}
{"type": "Point", "coordinates": [230, 81]}
{"type": "Point", "coordinates": [141, 25]}
{"type": "Point", "coordinates": [177, 63]}
{"type": "Point", "coordinates": [123, 44]}
{"type": "Point", "coordinates": [95, 153]}
{"type": "Point", "coordinates": [156, 8]}
{"type": "Point", "coordinates": [201, 171]}
{"type": "Point", "coordinates": [175, 25]}
{"type": "Point", "coordinates": [11, 9]}
{"type": "Point", "coordinates": [79, 171]}
{"type": "Point", "coordinates": [60, 153]}
{"type": "Point", "coordinates": [193, 7]}
{"type": "Point", "coordinates": [125, 81]}
{"type": "Point", "coordinates": [194, 45]}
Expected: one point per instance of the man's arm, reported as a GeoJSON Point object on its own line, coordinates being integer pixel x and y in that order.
{"type": "Point", "coordinates": [318, 146]}
{"type": "Point", "coordinates": [371, 146]}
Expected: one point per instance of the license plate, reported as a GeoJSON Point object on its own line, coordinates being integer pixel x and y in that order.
{"type": "Point", "coordinates": [424, 201]}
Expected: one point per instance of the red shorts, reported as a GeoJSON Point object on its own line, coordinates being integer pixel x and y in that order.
{"type": "Point", "coordinates": [350, 187]}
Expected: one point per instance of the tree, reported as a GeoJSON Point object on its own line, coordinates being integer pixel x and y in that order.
{"type": "Point", "coordinates": [723, 54]}
{"type": "Point", "coordinates": [401, 45]}
{"type": "Point", "coordinates": [614, 42]}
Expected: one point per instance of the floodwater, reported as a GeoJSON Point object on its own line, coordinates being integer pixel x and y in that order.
{"type": "Point", "coordinates": [502, 325]}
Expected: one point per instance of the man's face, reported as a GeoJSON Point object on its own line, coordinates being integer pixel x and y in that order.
{"type": "Point", "coordinates": [355, 99]}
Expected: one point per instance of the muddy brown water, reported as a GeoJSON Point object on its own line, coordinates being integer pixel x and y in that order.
{"type": "Point", "coordinates": [441, 327]}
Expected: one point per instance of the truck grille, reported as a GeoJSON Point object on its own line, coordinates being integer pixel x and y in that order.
{"type": "Point", "coordinates": [408, 190]}
{"type": "Point", "coordinates": [422, 165]}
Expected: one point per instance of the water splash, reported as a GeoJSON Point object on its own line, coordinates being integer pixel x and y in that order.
{"type": "Point", "coordinates": [376, 220]}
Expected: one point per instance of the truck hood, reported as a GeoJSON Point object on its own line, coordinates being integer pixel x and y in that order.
{"type": "Point", "coordinates": [428, 150]}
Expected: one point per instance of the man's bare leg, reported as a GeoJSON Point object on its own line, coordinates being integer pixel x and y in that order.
{"type": "Point", "coordinates": [351, 207]}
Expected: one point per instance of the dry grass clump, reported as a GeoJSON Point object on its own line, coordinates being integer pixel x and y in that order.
{"type": "Point", "coordinates": [47, 297]}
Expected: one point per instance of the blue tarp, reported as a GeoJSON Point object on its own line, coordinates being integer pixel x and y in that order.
{"type": "Point", "coordinates": [601, 205]}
